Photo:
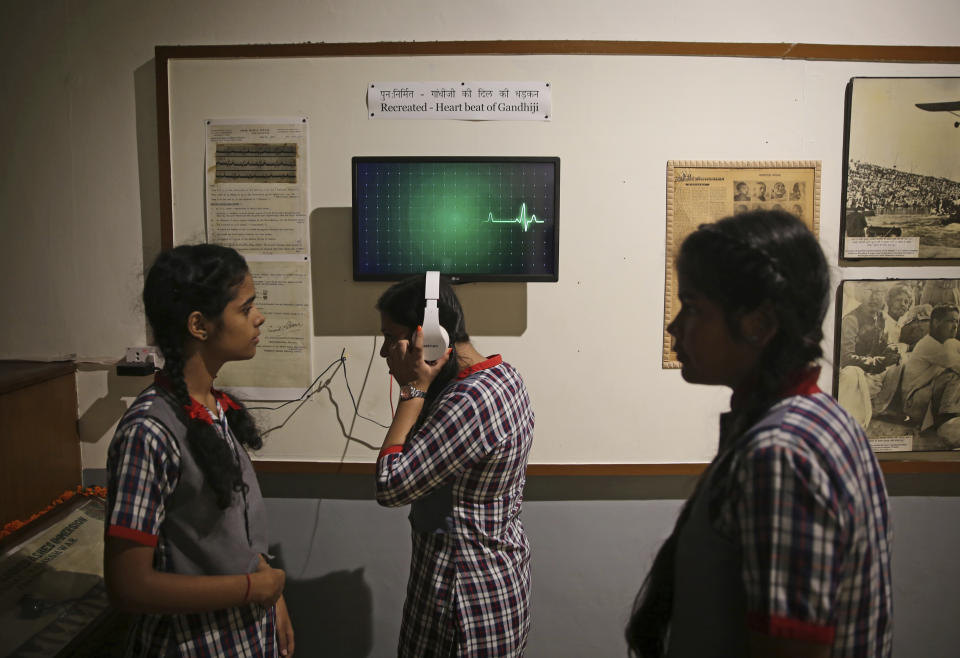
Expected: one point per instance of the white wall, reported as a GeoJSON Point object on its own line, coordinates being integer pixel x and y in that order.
{"type": "Point", "coordinates": [72, 198]}
{"type": "Point", "coordinates": [589, 346]}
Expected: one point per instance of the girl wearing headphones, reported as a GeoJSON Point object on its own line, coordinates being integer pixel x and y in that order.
{"type": "Point", "coordinates": [784, 547]}
{"type": "Point", "coordinates": [457, 452]}
{"type": "Point", "coordinates": [186, 525]}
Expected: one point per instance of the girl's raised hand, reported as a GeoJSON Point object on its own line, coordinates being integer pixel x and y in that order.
{"type": "Point", "coordinates": [405, 360]}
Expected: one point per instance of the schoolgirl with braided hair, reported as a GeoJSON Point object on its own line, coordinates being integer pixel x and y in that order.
{"type": "Point", "coordinates": [784, 547]}
{"type": "Point", "coordinates": [456, 452]}
{"type": "Point", "coordinates": [186, 532]}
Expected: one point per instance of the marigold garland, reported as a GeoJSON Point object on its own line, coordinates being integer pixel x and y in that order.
{"type": "Point", "coordinates": [15, 525]}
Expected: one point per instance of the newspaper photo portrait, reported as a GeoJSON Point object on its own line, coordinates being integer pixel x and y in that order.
{"type": "Point", "coordinates": [898, 361]}
{"type": "Point", "coordinates": [704, 191]}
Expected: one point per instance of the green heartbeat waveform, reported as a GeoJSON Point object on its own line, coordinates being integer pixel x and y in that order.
{"type": "Point", "coordinates": [522, 219]}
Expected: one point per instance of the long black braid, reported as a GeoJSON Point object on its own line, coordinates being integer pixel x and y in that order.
{"type": "Point", "coordinates": [742, 263]}
{"type": "Point", "coordinates": [404, 303]}
{"type": "Point", "coordinates": [204, 278]}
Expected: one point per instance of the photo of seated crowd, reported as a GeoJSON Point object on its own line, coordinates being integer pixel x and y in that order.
{"type": "Point", "coordinates": [899, 361]}
{"type": "Point", "coordinates": [888, 202]}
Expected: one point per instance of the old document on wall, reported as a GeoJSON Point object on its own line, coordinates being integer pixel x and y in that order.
{"type": "Point", "coordinates": [258, 203]}
{"type": "Point", "coordinates": [257, 187]}
{"type": "Point", "coordinates": [703, 191]}
{"type": "Point", "coordinates": [281, 368]}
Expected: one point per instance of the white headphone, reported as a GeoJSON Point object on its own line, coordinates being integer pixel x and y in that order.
{"type": "Point", "coordinates": [435, 338]}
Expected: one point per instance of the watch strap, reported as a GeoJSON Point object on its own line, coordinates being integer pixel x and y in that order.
{"type": "Point", "coordinates": [408, 392]}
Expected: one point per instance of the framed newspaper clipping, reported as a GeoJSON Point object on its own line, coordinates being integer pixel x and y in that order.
{"type": "Point", "coordinates": [703, 191]}
{"type": "Point", "coordinates": [901, 170]}
{"type": "Point", "coordinates": [898, 361]}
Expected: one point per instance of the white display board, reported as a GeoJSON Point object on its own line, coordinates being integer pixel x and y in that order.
{"type": "Point", "coordinates": [589, 346]}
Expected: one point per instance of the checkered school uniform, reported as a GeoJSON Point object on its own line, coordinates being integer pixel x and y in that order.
{"type": "Point", "coordinates": [144, 469]}
{"type": "Point", "coordinates": [801, 501]}
{"type": "Point", "coordinates": [463, 471]}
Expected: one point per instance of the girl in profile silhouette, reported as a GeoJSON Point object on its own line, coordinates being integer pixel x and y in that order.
{"type": "Point", "coordinates": [784, 547]}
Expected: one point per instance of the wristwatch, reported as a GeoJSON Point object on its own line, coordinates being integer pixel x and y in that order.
{"type": "Point", "coordinates": [408, 392]}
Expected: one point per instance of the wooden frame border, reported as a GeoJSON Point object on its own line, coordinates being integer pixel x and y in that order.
{"type": "Point", "coordinates": [795, 51]}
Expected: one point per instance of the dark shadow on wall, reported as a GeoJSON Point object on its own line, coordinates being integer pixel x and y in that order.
{"type": "Point", "coordinates": [106, 411]}
{"type": "Point", "coordinates": [332, 615]}
{"type": "Point", "coordinates": [341, 306]}
{"type": "Point", "coordinates": [317, 486]}
{"type": "Point", "coordinates": [145, 90]}
{"type": "Point", "coordinates": [344, 307]}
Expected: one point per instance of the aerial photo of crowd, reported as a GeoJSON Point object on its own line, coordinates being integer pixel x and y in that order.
{"type": "Point", "coordinates": [887, 190]}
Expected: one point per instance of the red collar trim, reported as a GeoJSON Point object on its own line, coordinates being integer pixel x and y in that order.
{"type": "Point", "coordinates": [225, 400]}
{"type": "Point", "coordinates": [489, 362]}
{"type": "Point", "coordinates": [793, 629]}
{"type": "Point", "coordinates": [195, 410]}
{"type": "Point", "coordinates": [801, 382]}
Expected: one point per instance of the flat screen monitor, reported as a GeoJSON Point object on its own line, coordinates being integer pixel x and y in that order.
{"type": "Point", "coordinates": [473, 219]}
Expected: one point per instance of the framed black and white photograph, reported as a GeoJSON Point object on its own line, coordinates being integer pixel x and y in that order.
{"type": "Point", "coordinates": [898, 361]}
{"type": "Point", "coordinates": [902, 170]}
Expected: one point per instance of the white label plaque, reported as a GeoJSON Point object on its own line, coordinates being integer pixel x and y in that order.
{"type": "Point", "coordinates": [468, 101]}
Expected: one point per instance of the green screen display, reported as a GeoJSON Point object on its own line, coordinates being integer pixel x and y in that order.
{"type": "Point", "coordinates": [479, 219]}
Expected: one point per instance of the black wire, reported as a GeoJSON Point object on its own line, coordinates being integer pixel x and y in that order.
{"type": "Point", "coordinates": [348, 434]}
{"type": "Point", "coordinates": [343, 429]}
{"type": "Point", "coordinates": [287, 419]}
{"type": "Point", "coordinates": [356, 406]}
{"type": "Point", "coordinates": [342, 359]}
{"type": "Point", "coordinates": [307, 394]}
{"type": "Point", "coordinates": [304, 397]}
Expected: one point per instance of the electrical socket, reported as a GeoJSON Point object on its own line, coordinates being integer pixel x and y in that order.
{"type": "Point", "coordinates": [144, 354]}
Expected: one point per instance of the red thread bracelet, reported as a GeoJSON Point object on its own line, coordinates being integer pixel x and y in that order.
{"type": "Point", "coordinates": [246, 596]}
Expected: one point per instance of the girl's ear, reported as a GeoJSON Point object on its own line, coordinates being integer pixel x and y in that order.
{"type": "Point", "coordinates": [759, 326]}
{"type": "Point", "coordinates": [197, 325]}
